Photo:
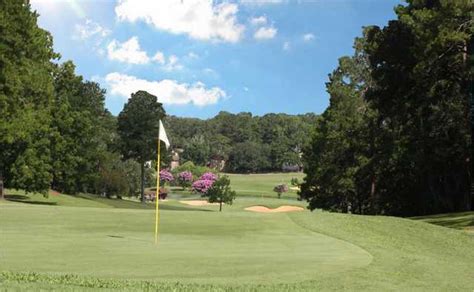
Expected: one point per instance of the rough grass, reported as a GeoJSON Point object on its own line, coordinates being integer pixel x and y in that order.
{"type": "Point", "coordinates": [109, 245]}
{"type": "Point", "coordinates": [464, 220]}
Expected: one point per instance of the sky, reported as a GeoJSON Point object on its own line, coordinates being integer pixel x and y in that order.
{"type": "Point", "coordinates": [201, 57]}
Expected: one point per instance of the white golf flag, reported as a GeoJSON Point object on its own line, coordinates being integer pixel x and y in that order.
{"type": "Point", "coordinates": [162, 135]}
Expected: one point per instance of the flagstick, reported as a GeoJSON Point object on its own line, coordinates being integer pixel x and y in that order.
{"type": "Point", "coordinates": [157, 196]}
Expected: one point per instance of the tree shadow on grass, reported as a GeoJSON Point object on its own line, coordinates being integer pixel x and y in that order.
{"type": "Point", "coordinates": [25, 199]}
{"type": "Point", "coordinates": [179, 208]}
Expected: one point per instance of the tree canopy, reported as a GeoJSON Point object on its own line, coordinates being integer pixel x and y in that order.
{"type": "Point", "coordinates": [396, 136]}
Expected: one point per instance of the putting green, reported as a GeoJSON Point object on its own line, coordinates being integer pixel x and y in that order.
{"type": "Point", "coordinates": [234, 246]}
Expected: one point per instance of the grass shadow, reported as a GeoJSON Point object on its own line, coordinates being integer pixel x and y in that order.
{"type": "Point", "coordinates": [25, 199]}
{"type": "Point", "coordinates": [179, 208]}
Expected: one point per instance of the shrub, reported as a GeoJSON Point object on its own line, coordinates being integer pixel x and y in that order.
{"type": "Point", "coordinates": [279, 189]}
{"type": "Point", "coordinates": [295, 182]}
{"type": "Point", "coordinates": [209, 176]}
{"type": "Point", "coordinates": [166, 176]}
{"type": "Point", "coordinates": [185, 178]}
{"type": "Point", "coordinates": [220, 192]}
{"type": "Point", "coordinates": [202, 186]}
{"type": "Point", "coordinates": [197, 171]}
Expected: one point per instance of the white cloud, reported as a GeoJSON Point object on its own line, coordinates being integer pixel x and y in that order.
{"type": "Point", "coordinates": [286, 46]}
{"type": "Point", "coordinates": [90, 29]}
{"type": "Point", "coordinates": [159, 57]}
{"type": "Point", "coordinates": [308, 37]}
{"type": "Point", "coordinates": [265, 33]}
{"type": "Point", "coordinates": [167, 91]}
{"type": "Point", "coordinates": [200, 19]}
{"type": "Point", "coordinates": [193, 55]}
{"type": "Point", "coordinates": [128, 52]}
{"type": "Point", "coordinates": [261, 20]}
{"type": "Point", "coordinates": [173, 64]}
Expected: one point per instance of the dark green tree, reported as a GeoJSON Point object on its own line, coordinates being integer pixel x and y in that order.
{"type": "Point", "coordinates": [26, 90]}
{"type": "Point", "coordinates": [138, 125]}
{"type": "Point", "coordinates": [77, 139]}
{"type": "Point", "coordinates": [220, 192]}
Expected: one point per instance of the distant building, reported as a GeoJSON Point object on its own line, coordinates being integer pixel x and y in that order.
{"type": "Point", "coordinates": [175, 158]}
{"type": "Point", "coordinates": [291, 167]}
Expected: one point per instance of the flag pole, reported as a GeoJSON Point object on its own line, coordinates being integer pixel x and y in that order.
{"type": "Point", "coordinates": [157, 195]}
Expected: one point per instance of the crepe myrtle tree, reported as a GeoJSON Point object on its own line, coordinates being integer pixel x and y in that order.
{"type": "Point", "coordinates": [185, 179]}
{"type": "Point", "coordinates": [220, 192]}
{"type": "Point", "coordinates": [137, 128]}
{"type": "Point", "coordinates": [279, 189]}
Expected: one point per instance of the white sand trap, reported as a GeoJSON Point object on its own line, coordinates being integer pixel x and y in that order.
{"type": "Point", "coordinates": [198, 203]}
{"type": "Point", "coordinates": [263, 209]}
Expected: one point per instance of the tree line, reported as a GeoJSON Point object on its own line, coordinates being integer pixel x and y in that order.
{"type": "Point", "coordinates": [247, 143]}
{"type": "Point", "coordinates": [396, 138]}
{"type": "Point", "coordinates": [55, 131]}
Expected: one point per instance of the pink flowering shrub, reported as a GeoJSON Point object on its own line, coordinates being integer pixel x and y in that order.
{"type": "Point", "coordinates": [185, 178]}
{"type": "Point", "coordinates": [202, 186]}
{"type": "Point", "coordinates": [209, 176]}
{"type": "Point", "coordinates": [166, 176]}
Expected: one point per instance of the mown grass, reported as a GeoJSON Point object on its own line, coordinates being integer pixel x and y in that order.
{"type": "Point", "coordinates": [110, 246]}
{"type": "Point", "coordinates": [256, 185]}
{"type": "Point", "coordinates": [261, 185]}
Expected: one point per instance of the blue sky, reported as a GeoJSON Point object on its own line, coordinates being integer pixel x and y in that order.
{"type": "Point", "coordinates": [202, 57]}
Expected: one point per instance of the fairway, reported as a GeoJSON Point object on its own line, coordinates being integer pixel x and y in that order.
{"type": "Point", "coordinates": [195, 246]}
{"type": "Point", "coordinates": [87, 241]}
{"type": "Point", "coordinates": [262, 184]}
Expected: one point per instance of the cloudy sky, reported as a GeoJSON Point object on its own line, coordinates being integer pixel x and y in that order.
{"type": "Point", "coordinates": [201, 57]}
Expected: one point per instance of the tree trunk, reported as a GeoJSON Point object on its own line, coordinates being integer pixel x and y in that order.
{"type": "Point", "coordinates": [2, 195]}
{"type": "Point", "coordinates": [469, 59]}
{"type": "Point", "coordinates": [142, 181]}
{"type": "Point", "coordinates": [220, 206]}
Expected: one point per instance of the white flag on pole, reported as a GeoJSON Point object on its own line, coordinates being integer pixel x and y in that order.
{"type": "Point", "coordinates": [162, 135]}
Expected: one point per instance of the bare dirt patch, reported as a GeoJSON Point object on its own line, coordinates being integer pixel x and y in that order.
{"type": "Point", "coordinates": [263, 209]}
{"type": "Point", "coordinates": [198, 203]}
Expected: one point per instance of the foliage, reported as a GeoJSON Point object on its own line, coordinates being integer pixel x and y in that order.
{"type": "Point", "coordinates": [26, 92]}
{"type": "Point", "coordinates": [197, 171]}
{"type": "Point", "coordinates": [295, 182]}
{"type": "Point", "coordinates": [221, 192]}
{"type": "Point", "coordinates": [185, 179]}
{"type": "Point", "coordinates": [166, 176]}
{"type": "Point", "coordinates": [202, 186]}
{"type": "Point", "coordinates": [138, 124]}
{"type": "Point", "coordinates": [209, 176]}
{"type": "Point", "coordinates": [249, 157]}
{"type": "Point", "coordinates": [279, 189]}
{"type": "Point", "coordinates": [77, 140]}
{"type": "Point", "coordinates": [116, 177]}
{"type": "Point", "coordinates": [395, 138]}
{"type": "Point", "coordinates": [274, 140]}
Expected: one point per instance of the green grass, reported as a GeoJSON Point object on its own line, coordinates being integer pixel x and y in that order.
{"type": "Point", "coordinates": [464, 220]}
{"type": "Point", "coordinates": [258, 185]}
{"type": "Point", "coordinates": [255, 185]}
{"type": "Point", "coordinates": [86, 242]}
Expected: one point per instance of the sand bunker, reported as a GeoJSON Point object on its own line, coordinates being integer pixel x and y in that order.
{"type": "Point", "coordinates": [263, 209]}
{"type": "Point", "coordinates": [198, 203]}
